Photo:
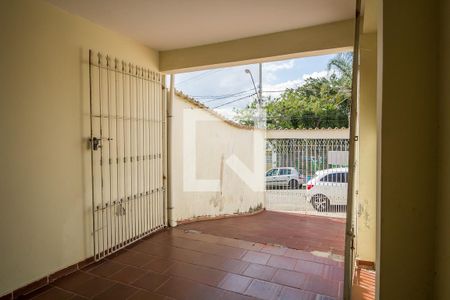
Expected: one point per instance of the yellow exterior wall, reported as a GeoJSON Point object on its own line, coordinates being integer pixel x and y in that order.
{"type": "Point", "coordinates": [321, 39]}
{"type": "Point", "coordinates": [367, 158]}
{"type": "Point", "coordinates": [442, 284]}
{"type": "Point", "coordinates": [408, 164]}
{"type": "Point", "coordinates": [44, 175]}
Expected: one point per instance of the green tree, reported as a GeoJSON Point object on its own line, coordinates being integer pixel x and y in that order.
{"type": "Point", "coordinates": [318, 103]}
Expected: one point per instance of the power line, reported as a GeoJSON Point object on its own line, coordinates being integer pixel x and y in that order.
{"type": "Point", "coordinates": [214, 100]}
{"type": "Point", "coordinates": [214, 97]}
{"type": "Point", "coordinates": [235, 100]}
{"type": "Point", "coordinates": [200, 75]}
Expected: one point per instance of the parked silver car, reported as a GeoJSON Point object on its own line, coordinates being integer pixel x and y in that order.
{"type": "Point", "coordinates": [284, 178]}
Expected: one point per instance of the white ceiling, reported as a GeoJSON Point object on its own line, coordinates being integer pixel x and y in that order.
{"type": "Point", "coordinates": [172, 24]}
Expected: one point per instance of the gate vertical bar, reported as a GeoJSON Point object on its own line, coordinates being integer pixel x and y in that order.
{"type": "Point", "coordinates": [92, 152]}
{"type": "Point", "coordinates": [349, 236]}
{"type": "Point", "coordinates": [108, 204]}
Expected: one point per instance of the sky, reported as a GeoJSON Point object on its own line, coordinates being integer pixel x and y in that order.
{"type": "Point", "coordinates": [224, 89]}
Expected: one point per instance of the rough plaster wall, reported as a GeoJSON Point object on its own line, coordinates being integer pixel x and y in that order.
{"type": "Point", "coordinates": [408, 150]}
{"type": "Point", "coordinates": [216, 142]}
{"type": "Point", "coordinates": [45, 221]}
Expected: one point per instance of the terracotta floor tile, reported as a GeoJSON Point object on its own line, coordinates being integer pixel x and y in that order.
{"type": "Point", "coordinates": [118, 291]}
{"type": "Point", "coordinates": [132, 258]}
{"type": "Point", "coordinates": [288, 293]}
{"type": "Point", "coordinates": [275, 250]}
{"type": "Point", "coordinates": [183, 289]}
{"type": "Point", "coordinates": [260, 272]}
{"type": "Point", "coordinates": [294, 253]}
{"type": "Point", "coordinates": [145, 295]}
{"type": "Point", "coordinates": [227, 295]}
{"type": "Point", "coordinates": [291, 230]}
{"type": "Point", "coordinates": [309, 267]}
{"type": "Point", "coordinates": [290, 278]}
{"type": "Point", "coordinates": [235, 283]}
{"type": "Point", "coordinates": [222, 250]}
{"type": "Point", "coordinates": [241, 261]}
{"type": "Point", "coordinates": [106, 268]}
{"type": "Point", "coordinates": [221, 263]}
{"type": "Point", "coordinates": [333, 273]}
{"type": "Point", "coordinates": [263, 290]}
{"type": "Point", "coordinates": [256, 257]}
{"type": "Point", "coordinates": [54, 293]}
{"type": "Point", "coordinates": [157, 250]}
{"type": "Point", "coordinates": [197, 273]}
{"type": "Point", "coordinates": [186, 243]}
{"type": "Point", "coordinates": [128, 275]}
{"type": "Point", "coordinates": [364, 285]}
{"type": "Point", "coordinates": [77, 297]}
{"type": "Point", "coordinates": [93, 287]}
{"type": "Point", "coordinates": [322, 286]}
{"type": "Point", "coordinates": [322, 297]}
{"type": "Point", "coordinates": [150, 281]}
{"type": "Point", "coordinates": [72, 281]}
{"type": "Point", "coordinates": [158, 265]}
{"type": "Point", "coordinates": [282, 262]}
{"type": "Point", "coordinates": [184, 255]}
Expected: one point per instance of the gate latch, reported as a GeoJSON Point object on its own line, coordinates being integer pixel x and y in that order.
{"type": "Point", "coordinates": [95, 143]}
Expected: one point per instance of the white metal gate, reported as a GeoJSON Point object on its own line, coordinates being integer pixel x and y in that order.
{"type": "Point", "coordinates": [128, 161]}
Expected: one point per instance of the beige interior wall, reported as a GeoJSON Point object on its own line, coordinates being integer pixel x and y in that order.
{"type": "Point", "coordinates": [316, 40]}
{"type": "Point", "coordinates": [408, 165]}
{"type": "Point", "coordinates": [367, 158]}
{"type": "Point", "coordinates": [44, 172]}
{"type": "Point", "coordinates": [216, 141]}
{"type": "Point", "coordinates": [442, 262]}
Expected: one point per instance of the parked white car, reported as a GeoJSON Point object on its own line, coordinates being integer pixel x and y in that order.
{"type": "Point", "coordinates": [283, 178]}
{"type": "Point", "coordinates": [328, 187]}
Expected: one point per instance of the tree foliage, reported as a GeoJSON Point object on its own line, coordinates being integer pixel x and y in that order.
{"type": "Point", "coordinates": [318, 103]}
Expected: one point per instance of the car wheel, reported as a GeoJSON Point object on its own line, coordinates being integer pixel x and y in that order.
{"type": "Point", "coordinates": [293, 184]}
{"type": "Point", "coordinates": [320, 203]}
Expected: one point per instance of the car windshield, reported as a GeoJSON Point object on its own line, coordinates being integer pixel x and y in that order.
{"type": "Point", "coordinates": [272, 172]}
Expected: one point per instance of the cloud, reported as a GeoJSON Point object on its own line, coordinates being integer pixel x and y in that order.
{"type": "Point", "coordinates": [276, 66]}
{"type": "Point", "coordinates": [227, 112]}
{"type": "Point", "coordinates": [319, 74]}
{"type": "Point", "coordinates": [275, 90]}
{"type": "Point", "coordinates": [270, 69]}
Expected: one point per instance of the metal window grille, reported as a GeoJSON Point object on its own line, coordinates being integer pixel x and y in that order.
{"type": "Point", "coordinates": [127, 143]}
{"type": "Point", "coordinates": [307, 175]}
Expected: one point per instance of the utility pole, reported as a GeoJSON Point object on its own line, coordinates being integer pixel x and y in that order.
{"type": "Point", "coordinates": [260, 118]}
{"type": "Point", "coordinates": [260, 84]}
{"type": "Point", "coordinates": [261, 112]}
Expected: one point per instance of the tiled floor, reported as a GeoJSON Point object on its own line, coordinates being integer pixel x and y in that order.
{"type": "Point", "coordinates": [364, 285]}
{"type": "Point", "coordinates": [185, 264]}
{"type": "Point", "coordinates": [304, 232]}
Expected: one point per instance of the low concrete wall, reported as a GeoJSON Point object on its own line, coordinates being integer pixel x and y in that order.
{"type": "Point", "coordinates": [216, 169]}
{"type": "Point", "coordinates": [297, 201]}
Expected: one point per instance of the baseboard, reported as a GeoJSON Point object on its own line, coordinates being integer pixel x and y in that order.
{"type": "Point", "coordinates": [28, 289]}
{"type": "Point", "coordinates": [46, 280]}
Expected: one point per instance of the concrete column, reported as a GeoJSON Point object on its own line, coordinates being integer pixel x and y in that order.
{"type": "Point", "coordinates": [366, 198]}
{"type": "Point", "coordinates": [408, 166]}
